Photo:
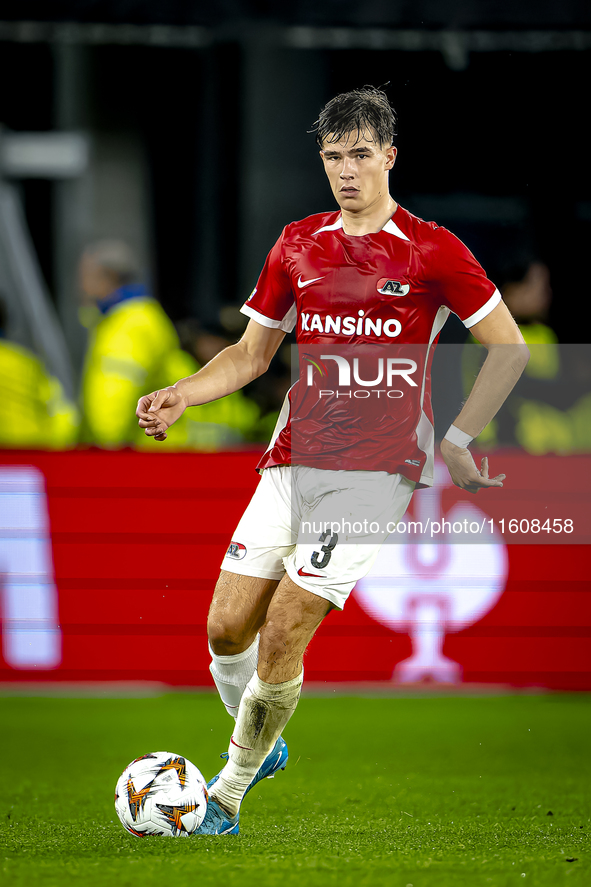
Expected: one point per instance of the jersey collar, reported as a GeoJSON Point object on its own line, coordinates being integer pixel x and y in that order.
{"type": "Point", "coordinates": [390, 227]}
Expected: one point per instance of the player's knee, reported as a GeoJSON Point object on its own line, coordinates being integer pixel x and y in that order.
{"type": "Point", "coordinates": [226, 637]}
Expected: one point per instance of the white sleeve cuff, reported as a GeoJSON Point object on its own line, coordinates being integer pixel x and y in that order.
{"type": "Point", "coordinates": [484, 311]}
{"type": "Point", "coordinates": [286, 324]}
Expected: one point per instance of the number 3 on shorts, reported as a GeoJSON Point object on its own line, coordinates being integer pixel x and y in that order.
{"type": "Point", "coordinates": [315, 560]}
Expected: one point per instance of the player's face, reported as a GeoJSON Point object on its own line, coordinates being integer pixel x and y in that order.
{"type": "Point", "coordinates": [357, 169]}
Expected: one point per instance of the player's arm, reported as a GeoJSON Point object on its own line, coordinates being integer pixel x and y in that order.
{"type": "Point", "coordinates": [506, 360]}
{"type": "Point", "coordinates": [231, 369]}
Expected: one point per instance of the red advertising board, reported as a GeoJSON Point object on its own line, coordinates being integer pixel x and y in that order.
{"type": "Point", "coordinates": [108, 561]}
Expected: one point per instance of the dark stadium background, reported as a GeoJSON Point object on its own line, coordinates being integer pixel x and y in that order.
{"type": "Point", "coordinates": [224, 125]}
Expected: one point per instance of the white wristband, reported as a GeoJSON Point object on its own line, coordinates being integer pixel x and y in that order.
{"type": "Point", "coordinates": [458, 437]}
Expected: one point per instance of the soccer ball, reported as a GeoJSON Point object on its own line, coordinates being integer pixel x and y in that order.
{"type": "Point", "coordinates": [161, 794]}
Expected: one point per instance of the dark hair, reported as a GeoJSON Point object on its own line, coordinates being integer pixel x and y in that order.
{"type": "Point", "coordinates": [363, 110]}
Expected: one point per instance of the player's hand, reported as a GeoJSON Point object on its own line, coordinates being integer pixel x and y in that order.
{"type": "Point", "coordinates": [463, 470]}
{"type": "Point", "coordinates": [157, 411]}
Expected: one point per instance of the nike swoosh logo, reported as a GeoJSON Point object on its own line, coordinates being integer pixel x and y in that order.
{"type": "Point", "coordinates": [302, 572]}
{"type": "Point", "coordinates": [303, 283]}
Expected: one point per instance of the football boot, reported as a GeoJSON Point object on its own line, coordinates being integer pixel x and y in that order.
{"type": "Point", "coordinates": [217, 822]}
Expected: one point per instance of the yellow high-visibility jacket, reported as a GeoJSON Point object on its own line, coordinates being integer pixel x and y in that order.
{"type": "Point", "coordinates": [36, 412]}
{"type": "Point", "coordinates": [133, 350]}
{"type": "Point", "coordinates": [541, 428]}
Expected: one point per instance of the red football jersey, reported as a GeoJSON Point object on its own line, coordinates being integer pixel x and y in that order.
{"type": "Point", "coordinates": [368, 311]}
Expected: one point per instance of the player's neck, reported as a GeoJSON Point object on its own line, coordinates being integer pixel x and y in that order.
{"type": "Point", "coordinates": [369, 220]}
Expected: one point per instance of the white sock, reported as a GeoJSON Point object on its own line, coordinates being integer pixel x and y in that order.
{"type": "Point", "coordinates": [264, 711]}
{"type": "Point", "coordinates": [231, 674]}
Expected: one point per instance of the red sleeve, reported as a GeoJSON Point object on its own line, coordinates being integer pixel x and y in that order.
{"type": "Point", "coordinates": [272, 302]}
{"type": "Point", "coordinates": [459, 280]}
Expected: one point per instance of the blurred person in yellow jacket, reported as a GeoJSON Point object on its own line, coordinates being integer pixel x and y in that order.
{"type": "Point", "coordinates": [550, 409]}
{"type": "Point", "coordinates": [528, 300]}
{"type": "Point", "coordinates": [133, 344]}
{"type": "Point", "coordinates": [37, 412]}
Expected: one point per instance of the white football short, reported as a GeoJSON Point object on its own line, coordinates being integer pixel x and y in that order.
{"type": "Point", "coordinates": [324, 528]}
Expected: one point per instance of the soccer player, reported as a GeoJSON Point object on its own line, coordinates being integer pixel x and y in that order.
{"type": "Point", "coordinates": [367, 277]}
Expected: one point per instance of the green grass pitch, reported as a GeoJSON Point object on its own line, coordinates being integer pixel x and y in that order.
{"type": "Point", "coordinates": [400, 791]}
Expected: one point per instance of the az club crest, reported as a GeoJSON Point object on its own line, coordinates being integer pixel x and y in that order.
{"type": "Point", "coordinates": [392, 287]}
{"type": "Point", "coordinates": [236, 550]}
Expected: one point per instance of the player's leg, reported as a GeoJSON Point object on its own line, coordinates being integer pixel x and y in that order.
{"type": "Point", "coordinates": [272, 694]}
{"type": "Point", "coordinates": [320, 575]}
{"type": "Point", "coordinates": [237, 613]}
{"type": "Point", "coordinates": [326, 572]}
{"type": "Point", "coordinates": [293, 616]}
{"type": "Point", "coordinates": [251, 570]}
